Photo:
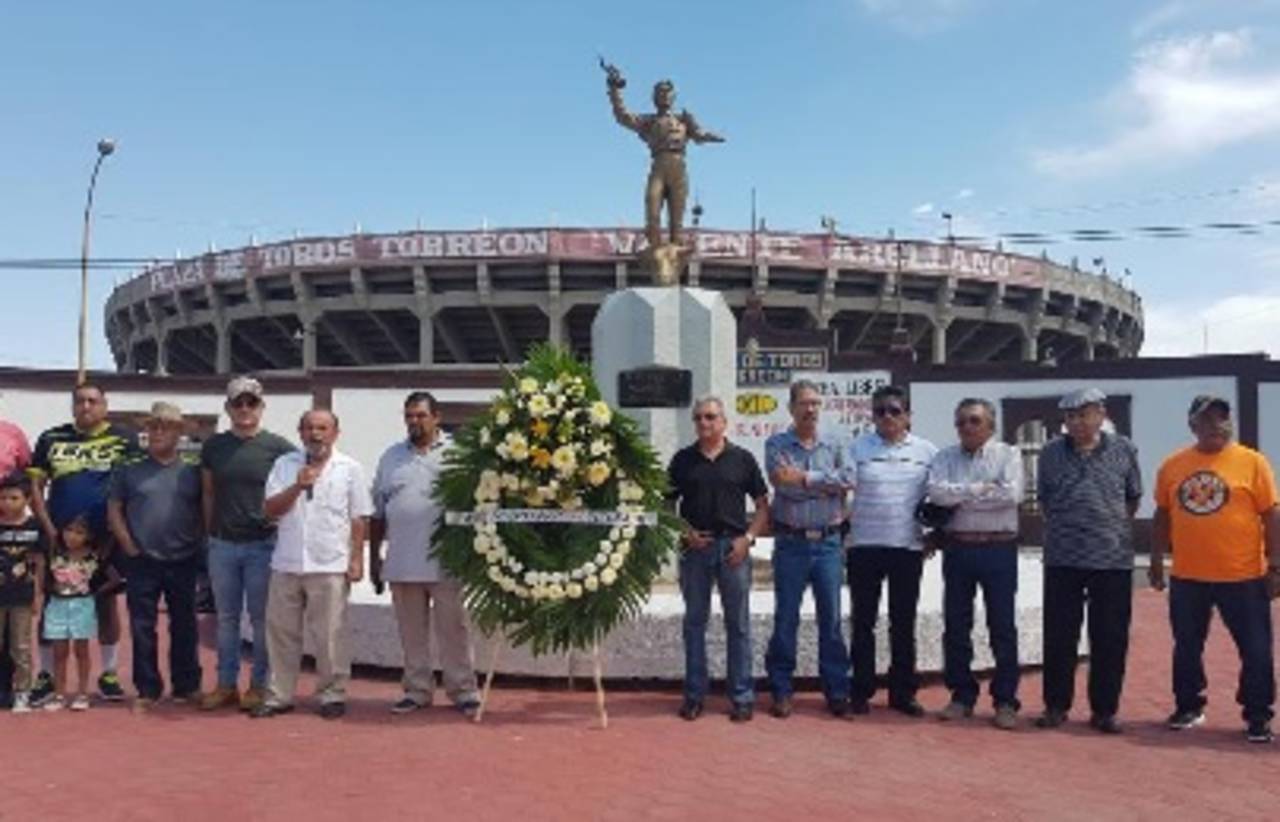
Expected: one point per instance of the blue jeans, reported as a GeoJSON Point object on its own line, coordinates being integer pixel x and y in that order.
{"type": "Point", "coordinates": [797, 563]}
{"type": "Point", "coordinates": [1245, 607]}
{"type": "Point", "coordinates": [994, 568]}
{"type": "Point", "coordinates": [239, 573]}
{"type": "Point", "coordinates": [699, 570]}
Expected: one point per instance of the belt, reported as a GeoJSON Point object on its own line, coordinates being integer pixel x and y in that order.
{"type": "Point", "coordinates": [981, 536]}
{"type": "Point", "coordinates": [810, 534]}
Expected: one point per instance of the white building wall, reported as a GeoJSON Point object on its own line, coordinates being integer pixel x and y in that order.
{"type": "Point", "coordinates": [1158, 409]}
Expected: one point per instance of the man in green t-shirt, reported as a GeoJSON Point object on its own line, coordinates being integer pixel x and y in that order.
{"type": "Point", "coordinates": [233, 466]}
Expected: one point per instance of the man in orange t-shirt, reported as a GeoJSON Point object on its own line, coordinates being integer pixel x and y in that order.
{"type": "Point", "coordinates": [1216, 507]}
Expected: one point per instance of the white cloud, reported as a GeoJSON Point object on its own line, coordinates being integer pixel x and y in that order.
{"type": "Point", "coordinates": [923, 209]}
{"type": "Point", "coordinates": [1160, 17]}
{"type": "Point", "coordinates": [1236, 324]}
{"type": "Point", "coordinates": [917, 17]}
{"type": "Point", "coordinates": [964, 194]}
{"type": "Point", "coordinates": [1189, 97]}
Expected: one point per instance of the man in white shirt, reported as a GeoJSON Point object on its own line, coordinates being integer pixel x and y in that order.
{"type": "Point", "coordinates": [981, 479]}
{"type": "Point", "coordinates": [321, 502]}
{"type": "Point", "coordinates": [892, 473]}
{"type": "Point", "coordinates": [406, 513]}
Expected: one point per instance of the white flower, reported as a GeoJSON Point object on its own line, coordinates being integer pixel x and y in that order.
{"type": "Point", "coordinates": [629, 532]}
{"type": "Point", "coordinates": [616, 561]}
{"type": "Point", "coordinates": [481, 544]}
{"type": "Point", "coordinates": [589, 568]}
{"type": "Point", "coordinates": [528, 385]}
{"type": "Point", "coordinates": [573, 591]}
{"type": "Point", "coordinates": [624, 547]}
{"type": "Point", "coordinates": [602, 558]}
{"type": "Point", "coordinates": [559, 402]}
{"type": "Point", "coordinates": [539, 406]}
{"type": "Point", "coordinates": [601, 416]}
{"type": "Point", "coordinates": [555, 592]}
{"type": "Point", "coordinates": [533, 498]}
{"type": "Point", "coordinates": [552, 388]}
{"type": "Point", "coordinates": [495, 574]}
{"type": "Point", "coordinates": [608, 576]}
{"type": "Point", "coordinates": [485, 437]}
{"type": "Point", "coordinates": [517, 446]}
{"type": "Point", "coordinates": [615, 534]}
{"type": "Point", "coordinates": [531, 578]}
{"type": "Point", "coordinates": [502, 417]}
{"type": "Point", "coordinates": [591, 583]}
{"type": "Point", "coordinates": [564, 461]}
{"type": "Point", "coordinates": [599, 448]}
{"type": "Point", "coordinates": [509, 482]}
{"type": "Point", "coordinates": [571, 503]}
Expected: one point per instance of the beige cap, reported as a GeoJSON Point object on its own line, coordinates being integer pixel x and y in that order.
{"type": "Point", "coordinates": [239, 386]}
{"type": "Point", "coordinates": [165, 412]}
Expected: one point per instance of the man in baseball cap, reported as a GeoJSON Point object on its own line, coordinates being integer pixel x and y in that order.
{"type": "Point", "coordinates": [234, 466]}
{"type": "Point", "coordinates": [1216, 507]}
{"type": "Point", "coordinates": [1089, 485]}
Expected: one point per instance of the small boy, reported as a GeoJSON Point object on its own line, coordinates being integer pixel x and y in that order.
{"type": "Point", "coordinates": [21, 573]}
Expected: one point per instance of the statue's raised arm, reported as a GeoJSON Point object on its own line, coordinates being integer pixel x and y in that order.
{"type": "Point", "coordinates": [697, 133]}
{"type": "Point", "coordinates": [615, 83]}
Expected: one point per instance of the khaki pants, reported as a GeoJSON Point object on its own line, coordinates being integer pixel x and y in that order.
{"type": "Point", "coordinates": [414, 606]}
{"type": "Point", "coordinates": [316, 603]}
{"type": "Point", "coordinates": [16, 621]}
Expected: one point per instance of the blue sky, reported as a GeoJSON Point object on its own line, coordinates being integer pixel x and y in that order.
{"type": "Point", "coordinates": [253, 118]}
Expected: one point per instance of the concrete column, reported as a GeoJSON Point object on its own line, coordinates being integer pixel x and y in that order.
{"type": "Point", "coordinates": [1030, 343]}
{"type": "Point", "coordinates": [555, 323]}
{"type": "Point", "coordinates": [130, 361]}
{"type": "Point", "coordinates": [940, 326]}
{"type": "Point", "coordinates": [695, 273]}
{"type": "Point", "coordinates": [426, 339]}
{"type": "Point", "coordinates": [309, 347]}
{"type": "Point", "coordinates": [222, 360]}
{"type": "Point", "coordinates": [1088, 347]}
{"type": "Point", "coordinates": [162, 352]}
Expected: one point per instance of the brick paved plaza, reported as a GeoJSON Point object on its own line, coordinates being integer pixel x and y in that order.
{"type": "Point", "coordinates": [538, 755]}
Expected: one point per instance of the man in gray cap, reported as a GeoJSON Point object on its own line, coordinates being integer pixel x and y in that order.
{"type": "Point", "coordinates": [1089, 486]}
{"type": "Point", "coordinates": [234, 467]}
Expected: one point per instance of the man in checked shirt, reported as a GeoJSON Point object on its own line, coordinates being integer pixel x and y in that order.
{"type": "Point", "coordinates": [811, 475]}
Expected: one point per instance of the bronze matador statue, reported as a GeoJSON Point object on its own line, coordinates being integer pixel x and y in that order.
{"type": "Point", "coordinates": [666, 132]}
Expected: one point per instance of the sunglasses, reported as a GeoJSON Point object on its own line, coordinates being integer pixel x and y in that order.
{"type": "Point", "coordinates": [888, 410]}
{"type": "Point", "coordinates": [971, 421]}
{"type": "Point", "coordinates": [246, 402]}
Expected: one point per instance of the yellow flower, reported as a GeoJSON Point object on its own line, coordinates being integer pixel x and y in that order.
{"type": "Point", "coordinates": [597, 473]}
{"type": "Point", "coordinates": [540, 457]}
{"type": "Point", "coordinates": [540, 429]}
{"type": "Point", "coordinates": [528, 385]}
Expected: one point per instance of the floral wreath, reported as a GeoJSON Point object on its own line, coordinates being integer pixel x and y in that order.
{"type": "Point", "coordinates": [555, 509]}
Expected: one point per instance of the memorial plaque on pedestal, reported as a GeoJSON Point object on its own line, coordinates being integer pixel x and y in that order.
{"type": "Point", "coordinates": [656, 386]}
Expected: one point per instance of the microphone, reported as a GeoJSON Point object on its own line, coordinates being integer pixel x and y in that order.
{"type": "Point", "coordinates": [312, 458]}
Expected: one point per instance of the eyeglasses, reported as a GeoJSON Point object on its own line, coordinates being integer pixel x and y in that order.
{"type": "Point", "coordinates": [706, 417]}
{"type": "Point", "coordinates": [249, 401]}
{"type": "Point", "coordinates": [888, 410]}
{"type": "Point", "coordinates": [971, 421]}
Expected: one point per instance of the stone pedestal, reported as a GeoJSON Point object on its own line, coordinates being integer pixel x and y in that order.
{"type": "Point", "coordinates": [689, 328]}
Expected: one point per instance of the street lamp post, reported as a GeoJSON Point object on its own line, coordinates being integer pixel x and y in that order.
{"type": "Point", "coordinates": [951, 237]}
{"type": "Point", "coordinates": [105, 148]}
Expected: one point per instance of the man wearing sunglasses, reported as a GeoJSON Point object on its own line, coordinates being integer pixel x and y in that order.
{"type": "Point", "coordinates": [892, 466]}
{"type": "Point", "coordinates": [712, 479]}
{"type": "Point", "coordinates": [1088, 486]}
{"type": "Point", "coordinates": [234, 466]}
{"type": "Point", "coordinates": [981, 478]}
{"type": "Point", "coordinates": [811, 477]}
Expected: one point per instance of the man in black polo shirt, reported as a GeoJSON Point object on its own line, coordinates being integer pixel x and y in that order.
{"type": "Point", "coordinates": [1088, 485]}
{"type": "Point", "coordinates": [712, 479]}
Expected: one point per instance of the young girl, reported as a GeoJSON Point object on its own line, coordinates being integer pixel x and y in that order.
{"type": "Point", "coordinates": [76, 574]}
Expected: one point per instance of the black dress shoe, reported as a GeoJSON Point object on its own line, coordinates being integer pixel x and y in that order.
{"type": "Point", "coordinates": [742, 712]}
{"type": "Point", "coordinates": [1105, 723]}
{"type": "Point", "coordinates": [859, 707]}
{"type": "Point", "coordinates": [840, 708]}
{"type": "Point", "coordinates": [908, 707]}
{"type": "Point", "coordinates": [333, 710]}
{"type": "Point", "coordinates": [267, 710]}
{"type": "Point", "coordinates": [1051, 718]}
{"type": "Point", "coordinates": [781, 707]}
{"type": "Point", "coordinates": [690, 709]}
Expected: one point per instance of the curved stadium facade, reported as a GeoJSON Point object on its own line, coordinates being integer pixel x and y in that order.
{"type": "Point", "coordinates": [426, 298]}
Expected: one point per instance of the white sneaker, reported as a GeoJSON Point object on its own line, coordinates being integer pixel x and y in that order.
{"type": "Point", "coordinates": [55, 703]}
{"type": "Point", "coordinates": [80, 703]}
{"type": "Point", "coordinates": [22, 703]}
